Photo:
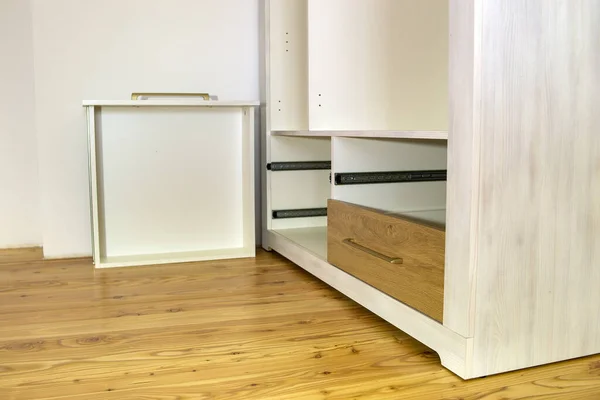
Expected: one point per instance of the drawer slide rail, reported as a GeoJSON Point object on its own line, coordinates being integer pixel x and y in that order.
{"type": "Point", "coordinates": [366, 178]}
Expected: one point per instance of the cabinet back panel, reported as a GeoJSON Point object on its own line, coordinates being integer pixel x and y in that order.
{"type": "Point", "coordinates": [298, 189]}
{"type": "Point", "coordinates": [300, 149]}
{"type": "Point", "coordinates": [378, 64]}
{"type": "Point", "coordinates": [379, 155]}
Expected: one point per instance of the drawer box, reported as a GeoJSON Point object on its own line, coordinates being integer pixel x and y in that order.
{"type": "Point", "coordinates": [401, 256]}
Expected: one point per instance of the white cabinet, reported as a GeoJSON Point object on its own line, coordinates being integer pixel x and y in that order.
{"type": "Point", "coordinates": [470, 123]}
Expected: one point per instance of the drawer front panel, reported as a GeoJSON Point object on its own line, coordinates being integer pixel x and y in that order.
{"type": "Point", "coordinates": [400, 257]}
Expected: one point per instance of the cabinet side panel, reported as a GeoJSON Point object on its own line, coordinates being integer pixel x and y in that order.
{"type": "Point", "coordinates": [462, 168]}
{"type": "Point", "coordinates": [539, 228]}
{"type": "Point", "coordinates": [288, 69]}
{"type": "Point", "coordinates": [265, 123]}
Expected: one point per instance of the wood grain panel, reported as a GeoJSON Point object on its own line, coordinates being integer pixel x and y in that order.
{"type": "Point", "coordinates": [320, 345]}
{"type": "Point", "coordinates": [463, 165]}
{"type": "Point", "coordinates": [418, 281]}
{"type": "Point", "coordinates": [538, 275]}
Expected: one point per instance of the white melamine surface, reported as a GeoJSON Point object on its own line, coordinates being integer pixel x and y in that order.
{"type": "Point", "coordinates": [380, 155]}
{"type": "Point", "coordinates": [365, 155]}
{"type": "Point", "coordinates": [397, 197]}
{"type": "Point", "coordinates": [109, 49]}
{"type": "Point", "coordinates": [299, 223]}
{"type": "Point", "coordinates": [313, 239]}
{"type": "Point", "coordinates": [171, 180]}
{"type": "Point", "coordinates": [437, 217]}
{"type": "Point", "coordinates": [287, 64]}
{"type": "Point", "coordinates": [368, 134]}
{"type": "Point", "coordinates": [298, 189]}
{"type": "Point", "coordinates": [378, 64]}
{"type": "Point", "coordinates": [300, 149]}
{"type": "Point", "coordinates": [189, 256]}
{"type": "Point", "coordinates": [170, 102]}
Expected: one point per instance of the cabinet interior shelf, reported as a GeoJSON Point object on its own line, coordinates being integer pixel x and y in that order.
{"type": "Point", "coordinates": [432, 135]}
{"type": "Point", "coordinates": [313, 239]}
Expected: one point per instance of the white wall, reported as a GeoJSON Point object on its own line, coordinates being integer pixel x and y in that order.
{"type": "Point", "coordinates": [19, 194]}
{"type": "Point", "coordinates": [89, 49]}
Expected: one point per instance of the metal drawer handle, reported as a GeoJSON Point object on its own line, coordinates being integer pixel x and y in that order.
{"type": "Point", "coordinates": [392, 260]}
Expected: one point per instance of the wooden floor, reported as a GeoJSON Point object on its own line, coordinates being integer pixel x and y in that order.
{"type": "Point", "coordinates": [242, 329]}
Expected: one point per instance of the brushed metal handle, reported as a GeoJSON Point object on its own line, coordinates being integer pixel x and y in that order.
{"type": "Point", "coordinates": [352, 243]}
{"type": "Point", "coordinates": [136, 96]}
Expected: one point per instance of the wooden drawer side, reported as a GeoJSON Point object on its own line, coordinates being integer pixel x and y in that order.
{"type": "Point", "coordinates": [400, 257]}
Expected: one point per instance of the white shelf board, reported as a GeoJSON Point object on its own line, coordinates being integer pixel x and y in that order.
{"type": "Point", "coordinates": [169, 103]}
{"type": "Point", "coordinates": [439, 135]}
{"type": "Point", "coordinates": [168, 258]}
{"type": "Point", "coordinates": [313, 239]}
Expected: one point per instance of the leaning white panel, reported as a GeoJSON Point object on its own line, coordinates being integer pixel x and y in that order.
{"type": "Point", "coordinates": [171, 182]}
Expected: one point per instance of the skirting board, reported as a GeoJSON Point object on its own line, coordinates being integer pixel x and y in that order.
{"type": "Point", "coordinates": [451, 347]}
{"type": "Point", "coordinates": [21, 254]}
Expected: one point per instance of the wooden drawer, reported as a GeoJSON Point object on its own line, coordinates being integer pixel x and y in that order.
{"type": "Point", "coordinates": [397, 255]}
